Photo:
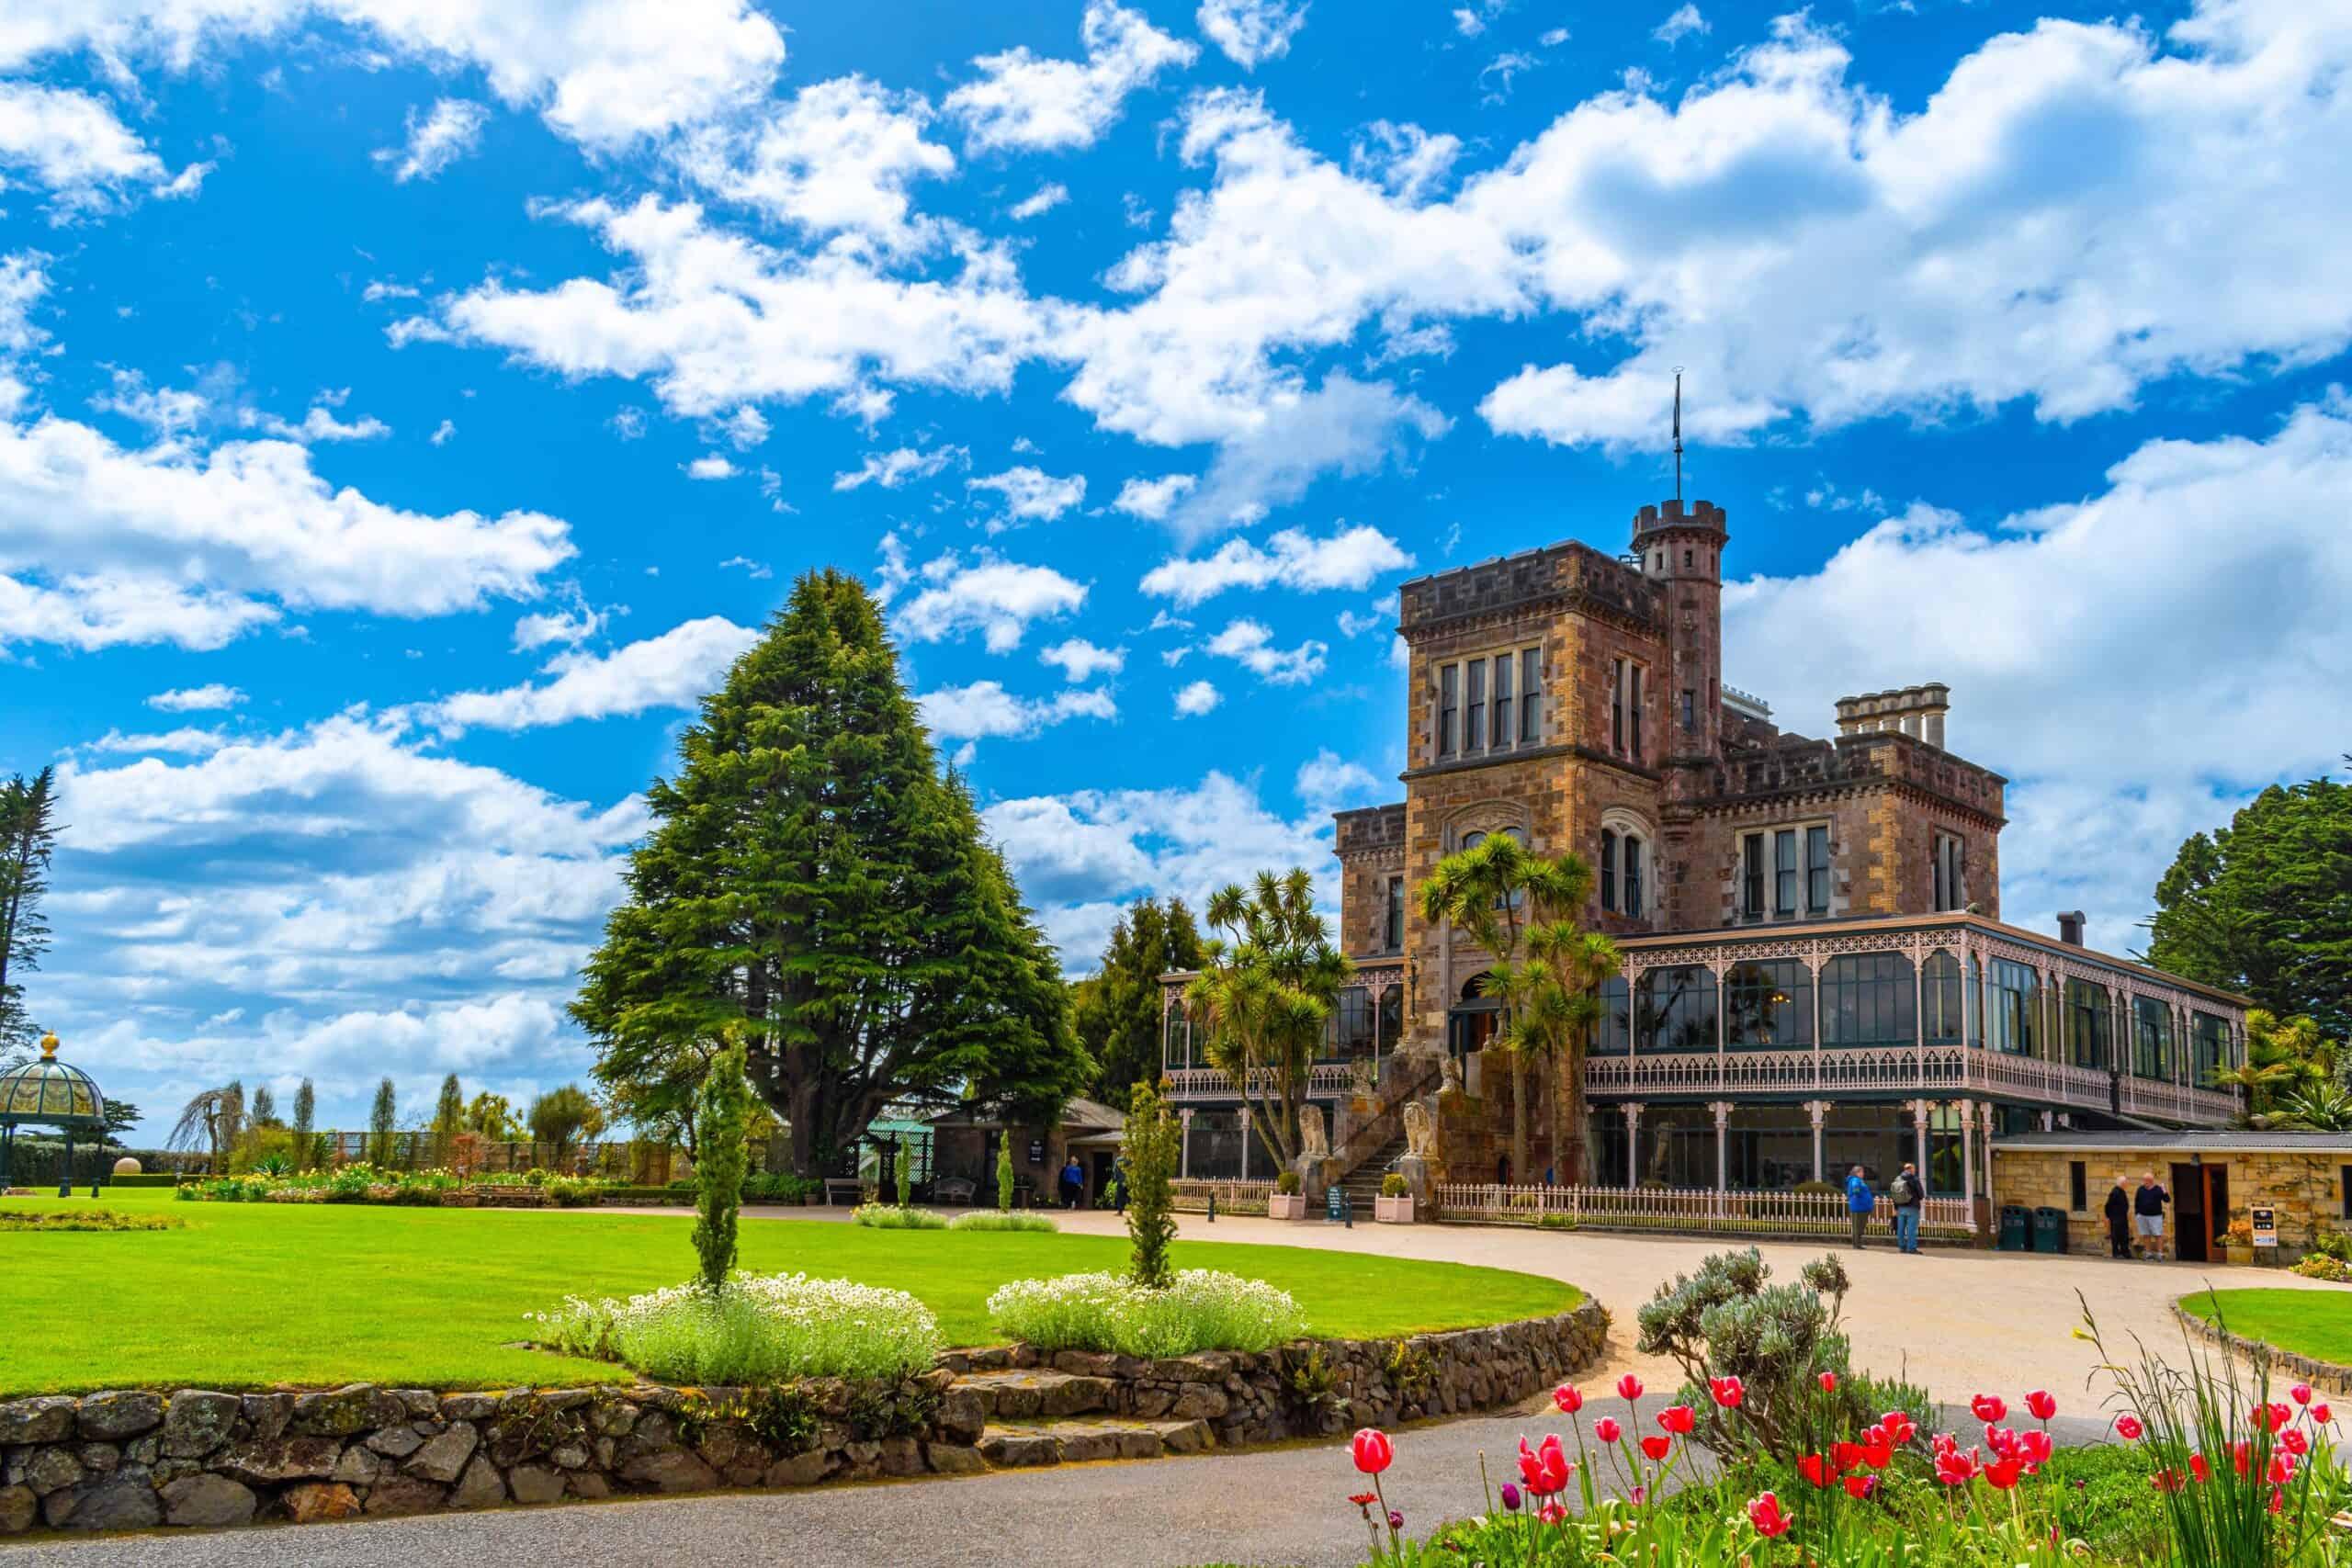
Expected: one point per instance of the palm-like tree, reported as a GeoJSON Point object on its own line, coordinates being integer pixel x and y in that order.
{"type": "Point", "coordinates": [1266, 990]}
{"type": "Point", "coordinates": [2285, 1059]}
{"type": "Point", "coordinates": [214, 1118]}
{"type": "Point", "coordinates": [2324, 1108]}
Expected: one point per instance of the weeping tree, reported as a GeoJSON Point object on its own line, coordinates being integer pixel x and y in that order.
{"type": "Point", "coordinates": [1265, 992]}
{"type": "Point", "coordinates": [213, 1120]}
{"type": "Point", "coordinates": [814, 889]}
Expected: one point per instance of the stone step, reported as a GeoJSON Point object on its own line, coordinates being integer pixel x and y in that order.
{"type": "Point", "coordinates": [1029, 1395]}
{"type": "Point", "coordinates": [1019, 1445]}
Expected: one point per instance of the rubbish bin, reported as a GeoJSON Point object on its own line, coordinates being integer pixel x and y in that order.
{"type": "Point", "coordinates": [2016, 1228]}
{"type": "Point", "coordinates": [2050, 1230]}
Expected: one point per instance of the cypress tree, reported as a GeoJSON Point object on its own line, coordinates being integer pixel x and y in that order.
{"type": "Point", "coordinates": [28, 839]}
{"type": "Point", "coordinates": [1154, 1149]}
{"type": "Point", "coordinates": [721, 1115]}
{"type": "Point", "coordinates": [815, 889]}
{"type": "Point", "coordinates": [380, 1142]}
{"type": "Point", "coordinates": [448, 1120]}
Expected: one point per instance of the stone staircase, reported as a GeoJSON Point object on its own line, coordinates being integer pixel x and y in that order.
{"type": "Point", "coordinates": [1040, 1418]}
{"type": "Point", "coordinates": [1362, 1183]}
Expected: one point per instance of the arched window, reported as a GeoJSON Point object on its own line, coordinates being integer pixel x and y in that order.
{"type": "Point", "coordinates": [1866, 1000]}
{"type": "Point", "coordinates": [1613, 1033]}
{"type": "Point", "coordinates": [1608, 870]}
{"type": "Point", "coordinates": [1632, 852]}
{"type": "Point", "coordinates": [1471, 841]}
{"type": "Point", "coordinates": [1940, 994]}
{"type": "Point", "coordinates": [1472, 1021]}
{"type": "Point", "coordinates": [1675, 1008]}
{"type": "Point", "coordinates": [1768, 1004]}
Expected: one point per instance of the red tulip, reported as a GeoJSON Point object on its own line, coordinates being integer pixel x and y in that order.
{"type": "Point", "coordinates": [2282, 1469]}
{"type": "Point", "coordinates": [1859, 1486]}
{"type": "Point", "coordinates": [1879, 1453]}
{"type": "Point", "coordinates": [1373, 1451]}
{"type": "Point", "coordinates": [2200, 1469]}
{"type": "Point", "coordinates": [2294, 1442]}
{"type": "Point", "coordinates": [2034, 1446]}
{"type": "Point", "coordinates": [2321, 1413]}
{"type": "Point", "coordinates": [1678, 1419]}
{"type": "Point", "coordinates": [1607, 1429]}
{"type": "Point", "coordinates": [2042, 1404]}
{"type": "Point", "coordinates": [1569, 1400]}
{"type": "Point", "coordinates": [1989, 1407]}
{"type": "Point", "coordinates": [1899, 1429]}
{"type": "Point", "coordinates": [2128, 1428]}
{"type": "Point", "coordinates": [2241, 1456]}
{"type": "Point", "coordinates": [2277, 1499]}
{"type": "Point", "coordinates": [1728, 1393]}
{"type": "Point", "coordinates": [1551, 1513]}
{"type": "Point", "coordinates": [2301, 1394]}
{"type": "Point", "coordinates": [2272, 1417]}
{"type": "Point", "coordinates": [1954, 1467]}
{"type": "Point", "coordinates": [1816, 1468]}
{"type": "Point", "coordinates": [1546, 1468]}
{"type": "Point", "coordinates": [1629, 1388]}
{"type": "Point", "coordinates": [2004, 1472]}
{"type": "Point", "coordinates": [1845, 1456]}
{"type": "Point", "coordinates": [1656, 1448]}
{"type": "Point", "coordinates": [1764, 1513]}
{"type": "Point", "coordinates": [2166, 1481]}
{"type": "Point", "coordinates": [1829, 1383]}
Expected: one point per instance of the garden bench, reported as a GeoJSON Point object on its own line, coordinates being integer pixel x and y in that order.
{"type": "Point", "coordinates": [844, 1190]}
{"type": "Point", "coordinates": [952, 1189]}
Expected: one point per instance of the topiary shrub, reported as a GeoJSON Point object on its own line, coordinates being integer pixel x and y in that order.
{"type": "Point", "coordinates": [1780, 1342]}
{"type": "Point", "coordinates": [1286, 1183]}
{"type": "Point", "coordinates": [1394, 1184]}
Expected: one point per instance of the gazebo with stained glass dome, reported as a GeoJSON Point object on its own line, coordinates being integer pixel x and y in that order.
{"type": "Point", "coordinates": [49, 1093]}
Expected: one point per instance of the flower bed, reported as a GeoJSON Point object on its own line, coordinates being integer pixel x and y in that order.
{"type": "Point", "coordinates": [362, 1183]}
{"type": "Point", "coordinates": [762, 1328]}
{"type": "Point", "coordinates": [893, 1217]}
{"type": "Point", "coordinates": [1203, 1309]}
{"type": "Point", "coordinates": [1002, 1220]}
{"type": "Point", "coordinates": [87, 1220]}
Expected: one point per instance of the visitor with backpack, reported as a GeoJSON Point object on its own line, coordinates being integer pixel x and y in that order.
{"type": "Point", "coordinates": [1861, 1202]}
{"type": "Point", "coordinates": [1908, 1194]}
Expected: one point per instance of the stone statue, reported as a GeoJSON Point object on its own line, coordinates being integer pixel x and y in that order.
{"type": "Point", "coordinates": [1367, 1078]}
{"type": "Point", "coordinates": [1420, 1133]}
{"type": "Point", "coordinates": [1450, 1075]}
{"type": "Point", "coordinates": [1313, 1142]}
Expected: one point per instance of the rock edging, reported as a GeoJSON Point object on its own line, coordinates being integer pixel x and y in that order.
{"type": "Point", "coordinates": [2329, 1375]}
{"type": "Point", "coordinates": [134, 1459]}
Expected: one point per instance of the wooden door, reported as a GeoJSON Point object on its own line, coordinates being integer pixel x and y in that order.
{"type": "Point", "coordinates": [2217, 1204]}
{"type": "Point", "coordinates": [2190, 1229]}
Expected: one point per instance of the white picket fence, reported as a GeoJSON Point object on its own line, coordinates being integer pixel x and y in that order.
{"type": "Point", "coordinates": [1232, 1197]}
{"type": "Point", "coordinates": [1684, 1209]}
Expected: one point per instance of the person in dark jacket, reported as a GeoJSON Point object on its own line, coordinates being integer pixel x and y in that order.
{"type": "Point", "coordinates": [2119, 1219]}
{"type": "Point", "coordinates": [1908, 1194]}
{"type": "Point", "coordinates": [2148, 1216]}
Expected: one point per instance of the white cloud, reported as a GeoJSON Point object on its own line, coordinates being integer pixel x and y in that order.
{"type": "Point", "coordinates": [1407, 160]}
{"type": "Point", "coordinates": [568, 626]}
{"type": "Point", "coordinates": [72, 145]}
{"type": "Point", "coordinates": [714, 320]}
{"type": "Point", "coordinates": [1030, 492]}
{"type": "Point", "coordinates": [1045, 201]}
{"type": "Point", "coordinates": [675, 669]}
{"type": "Point", "coordinates": [442, 432]}
{"type": "Point", "coordinates": [319, 424]}
{"type": "Point", "coordinates": [745, 428]}
{"type": "Point", "coordinates": [1152, 499]}
{"type": "Point", "coordinates": [605, 73]}
{"type": "Point", "coordinates": [197, 699]}
{"type": "Point", "coordinates": [985, 710]}
{"type": "Point", "coordinates": [994, 597]}
{"type": "Point", "coordinates": [2101, 590]}
{"type": "Point", "coordinates": [450, 130]}
{"type": "Point", "coordinates": [1025, 102]}
{"type": "Point", "coordinates": [711, 466]}
{"type": "Point", "coordinates": [1472, 19]}
{"type": "Point", "coordinates": [1250, 31]}
{"type": "Point", "coordinates": [1079, 659]}
{"type": "Point", "coordinates": [891, 469]}
{"type": "Point", "coordinates": [187, 742]}
{"type": "Point", "coordinates": [1325, 784]}
{"type": "Point", "coordinates": [837, 158]}
{"type": "Point", "coordinates": [629, 423]}
{"type": "Point", "coordinates": [1197, 699]}
{"type": "Point", "coordinates": [1686, 22]}
{"type": "Point", "coordinates": [1292, 558]}
{"type": "Point", "coordinates": [1251, 645]}
{"type": "Point", "coordinates": [1345, 426]}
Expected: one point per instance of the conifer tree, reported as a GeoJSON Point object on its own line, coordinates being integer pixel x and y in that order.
{"type": "Point", "coordinates": [28, 839]}
{"type": "Point", "coordinates": [306, 1109]}
{"type": "Point", "coordinates": [1153, 1151]}
{"type": "Point", "coordinates": [815, 889]}
{"type": "Point", "coordinates": [448, 1120]}
{"type": "Point", "coordinates": [380, 1142]}
{"type": "Point", "coordinates": [721, 1113]}
{"type": "Point", "coordinates": [1116, 1010]}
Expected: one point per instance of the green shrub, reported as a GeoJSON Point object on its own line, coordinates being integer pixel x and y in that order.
{"type": "Point", "coordinates": [2323, 1266]}
{"type": "Point", "coordinates": [1556, 1222]}
{"type": "Point", "coordinates": [778, 1187]}
{"type": "Point", "coordinates": [1394, 1184]}
{"type": "Point", "coordinates": [763, 1328]}
{"type": "Point", "coordinates": [1201, 1309]}
{"type": "Point", "coordinates": [1828, 1186]}
{"type": "Point", "coordinates": [1154, 1139]}
{"type": "Point", "coordinates": [145, 1178]}
{"type": "Point", "coordinates": [990, 1220]}
{"type": "Point", "coordinates": [890, 1217]}
{"type": "Point", "coordinates": [903, 1408]}
{"type": "Point", "coordinates": [1004, 1174]}
{"type": "Point", "coordinates": [1287, 1182]}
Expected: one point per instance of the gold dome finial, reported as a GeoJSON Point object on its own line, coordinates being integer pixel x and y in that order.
{"type": "Point", "coordinates": [48, 1047]}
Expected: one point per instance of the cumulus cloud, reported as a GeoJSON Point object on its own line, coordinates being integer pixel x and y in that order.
{"type": "Point", "coordinates": [197, 699]}
{"type": "Point", "coordinates": [1250, 644]}
{"type": "Point", "coordinates": [836, 158]}
{"type": "Point", "coordinates": [1153, 499]}
{"type": "Point", "coordinates": [451, 130]}
{"type": "Point", "coordinates": [1250, 31]}
{"type": "Point", "coordinates": [566, 626]}
{"type": "Point", "coordinates": [1046, 198]}
{"type": "Point", "coordinates": [985, 710]}
{"type": "Point", "coordinates": [1291, 559]}
{"type": "Point", "coordinates": [1686, 22]}
{"type": "Point", "coordinates": [72, 144]}
{"type": "Point", "coordinates": [1196, 699]}
{"type": "Point", "coordinates": [893, 468]}
{"type": "Point", "coordinates": [711, 466]}
{"type": "Point", "coordinates": [671, 670]}
{"type": "Point", "coordinates": [995, 597]}
{"type": "Point", "coordinates": [1327, 783]}
{"type": "Point", "coordinates": [1023, 102]}
{"type": "Point", "coordinates": [1032, 493]}
{"type": "Point", "coordinates": [1079, 659]}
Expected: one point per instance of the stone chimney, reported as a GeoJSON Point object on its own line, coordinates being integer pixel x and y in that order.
{"type": "Point", "coordinates": [2070, 927]}
{"type": "Point", "coordinates": [1916, 711]}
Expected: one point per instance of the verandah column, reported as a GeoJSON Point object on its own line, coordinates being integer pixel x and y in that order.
{"type": "Point", "coordinates": [1722, 1108]}
{"type": "Point", "coordinates": [1633, 1110]}
{"type": "Point", "coordinates": [1819, 1109]}
{"type": "Point", "coordinates": [1968, 1164]}
{"type": "Point", "coordinates": [1183, 1145]}
{"type": "Point", "coordinates": [1919, 1132]}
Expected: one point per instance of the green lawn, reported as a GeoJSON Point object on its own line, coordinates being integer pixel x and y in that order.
{"type": "Point", "coordinates": [249, 1295]}
{"type": "Point", "coordinates": [2311, 1323]}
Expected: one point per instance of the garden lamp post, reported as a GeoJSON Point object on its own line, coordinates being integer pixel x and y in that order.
{"type": "Point", "coordinates": [49, 1093]}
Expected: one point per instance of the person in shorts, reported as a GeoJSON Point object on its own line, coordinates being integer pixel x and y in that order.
{"type": "Point", "coordinates": [2148, 1216]}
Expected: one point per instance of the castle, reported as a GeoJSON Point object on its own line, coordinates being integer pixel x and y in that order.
{"type": "Point", "coordinates": [1816, 970]}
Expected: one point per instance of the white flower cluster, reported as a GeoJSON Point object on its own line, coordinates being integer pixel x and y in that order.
{"type": "Point", "coordinates": [761, 1329]}
{"type": "Point", "coordinates": [1203, 1309]}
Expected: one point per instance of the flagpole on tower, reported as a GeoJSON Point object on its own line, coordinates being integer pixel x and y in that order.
{"type": "Point", "coordinates": [1678, 436]}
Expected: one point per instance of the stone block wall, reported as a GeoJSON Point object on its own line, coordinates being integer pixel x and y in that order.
{"type": "Point", "coordinates": [134, 1459]}
{"type": "Point", "coordinates": [2305, 1188]}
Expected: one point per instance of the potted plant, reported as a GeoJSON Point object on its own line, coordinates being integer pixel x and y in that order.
{"type": "Point", "coordinates": [1394, 1204]}
{"type": "Point", "coordinates": [1286, 1202]}
{"type": "Point", "coordinates": [2237, 1242]}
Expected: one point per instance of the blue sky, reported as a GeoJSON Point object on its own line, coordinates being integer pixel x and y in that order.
{"type": "Point", "coordinates": [407, 408]}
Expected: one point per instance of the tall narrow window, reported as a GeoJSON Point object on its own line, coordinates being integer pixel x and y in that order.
{"type": "Point", "coordinates": [1617, 704]}
{"type": "Point", "coordinates": [1501, 741]}
{"type": "Point", "coordinates": [1784, 872]}
{"type": "Point", "coordinates": [1608, 869]}
{"type": "Point", "coordinates": [1816, 870]}
{"type": "Point", "coordinates": [1633, 706]}
{"type": "Point", "coordinates": [1530, 693]}
{"type": "Point", "coordinates": [1449, 696]}
{"type": "Point", "coordinates": [1751, 876]}
{"type": "Point", "coordinates": [1689, 710]}
{"type": "Point", "coordinates": [1474, 734]}
{"type": "Point", "coordinates": [1951, 872]}
{"type": "Point", "coordinates": [1394, 930]}
{"type": "Point", "coordinates": [1633, 876]}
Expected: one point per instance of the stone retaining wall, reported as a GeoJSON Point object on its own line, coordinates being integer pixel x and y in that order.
{"type": "Point", "coordinates": [136, 1460]}
{"type": "Point", "coordinates": [2286, 1365]}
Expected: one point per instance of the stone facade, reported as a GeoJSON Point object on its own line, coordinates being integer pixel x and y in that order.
{"type": "Point", "coordinates": [195, 1459]}
{"type": "Point", "coordinates": [2306, 1188]}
